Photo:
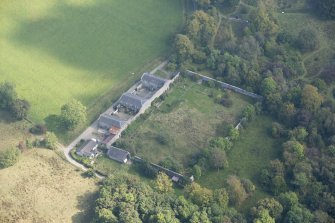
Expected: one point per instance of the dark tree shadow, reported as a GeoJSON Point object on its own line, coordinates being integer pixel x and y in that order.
{"type": "Point", "coordinates": [6, 117]}
{"type": "Point", "coordinates": [86, 207]}
{"type": "Point", "coordinates": [53, 123]}
{"type": "Point", "coordinates": [104, 36]}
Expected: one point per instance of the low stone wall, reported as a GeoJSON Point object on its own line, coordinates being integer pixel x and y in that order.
{"type": "Point", "coordinates": [226, 86]}
{"type": "Point", "coordinates": [168, 172]}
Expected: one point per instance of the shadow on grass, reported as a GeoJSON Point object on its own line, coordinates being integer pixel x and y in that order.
{"type": "Point", "coordinates": [6, 117]}
{"type": "Point", "coordinates": [86, 208]}
{"type": "Point", "coordinates": [53, 124]}
{"type": "Point", "coordinates": [105, 36]}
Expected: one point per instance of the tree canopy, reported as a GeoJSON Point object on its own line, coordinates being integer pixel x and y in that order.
{"type": "Point", "coordinates": [73, 114]}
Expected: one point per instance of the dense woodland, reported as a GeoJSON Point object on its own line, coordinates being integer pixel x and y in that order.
{"type": "Point", "coordinates": [266, 59]}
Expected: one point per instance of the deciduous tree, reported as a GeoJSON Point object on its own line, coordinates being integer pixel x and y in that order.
{"type": "Point", "coordinates": [163, 183]}
{"type": "Point", "coordinates": [310, 98]}
{"type": "Point", "coordinates": [73, 114]}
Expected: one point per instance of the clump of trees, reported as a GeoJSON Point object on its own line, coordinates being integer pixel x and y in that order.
{"type": "Point", "coordinates": [10, 102]}
{"type": "Point", "coordinates": [307, 40]}
{"type": "Point", "coordinates": [73, 114]}
{"type": "Point", "coordinates": [267, 60]}
{"type": "Point", "coordinates": [9, 157]}
{"type": "Point", "coordinates": [324, 8]}
{"type": "Point", "coordinates": [124, 198]}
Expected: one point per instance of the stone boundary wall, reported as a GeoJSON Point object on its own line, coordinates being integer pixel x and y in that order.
{"type": "Point", "coordinates": [145, 106]}
{"type": "Point", "coordinates": [225, 85]}
{"type": "Point", "coordinates": [168, 172]}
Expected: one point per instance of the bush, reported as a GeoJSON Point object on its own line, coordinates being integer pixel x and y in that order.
{"type": "Point", "coordinates": [89, 173]}
{"type": "Point", "coordinates": [227, 102]}
{"type": "Point", "coordinates": [19, 108]}
{"type": "Point", "coordinates": [9, 157]}
{"type": "Point", "coordinates": [197, 171]}
{"type": "Point", "coordinates": [162, 139]}
{"type": "Point", "coordinates": [38, 129]}
{"type": "Point", "coordinates": [29, 144]}
{"type": "Point", "coordinates": [171, 164]}
{"type": "Point", "coordinates": [50, 140]}
{"type": "Point", "coordinates": [248, 186]}
{"type": "Point", "coordinates": [307, 40]}
{"type": "Point", "coordinates": [146, 169]}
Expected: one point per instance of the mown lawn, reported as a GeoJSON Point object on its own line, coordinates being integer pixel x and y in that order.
{"type": "Point", "coordinates": [58, 50]}
{"type": "Point", "coordinates": [250, 153]}
{"type": "Point", "coordinates": [182, 124]}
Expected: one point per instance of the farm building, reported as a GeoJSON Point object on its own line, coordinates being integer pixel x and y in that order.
{"type": "Point", "coordinates": [88, 149]}
{"type": "Point", "coordinates": [152, 82]}
{"type": "Point", "coordinates": [131, 101]}
{"type": "Point", "coordinates": [108, 121]}
{"type": "Point", "coordinates": [117, 154]}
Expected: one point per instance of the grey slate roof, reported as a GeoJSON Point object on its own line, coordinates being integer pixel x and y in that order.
{"type": "Point", "coordinates": [117, 154]}
{"type": "Point", "coordinates": [131, 101]}
{"type": "Point", "coordinates": [87, 149]}
{"type": "Point", "coordinates": [149, 79]}
{"type": "Point", "coordinates": [107, 121]}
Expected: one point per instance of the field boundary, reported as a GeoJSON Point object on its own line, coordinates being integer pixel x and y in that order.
{"type": "Point", "coordinates": [226, 85]}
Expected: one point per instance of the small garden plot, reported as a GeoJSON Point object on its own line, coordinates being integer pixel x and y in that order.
{"type": "Point", "coordinates": [183, 123]}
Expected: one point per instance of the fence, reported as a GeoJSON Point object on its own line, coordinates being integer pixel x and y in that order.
{"type": "Point", "coordinates": [226, 86]}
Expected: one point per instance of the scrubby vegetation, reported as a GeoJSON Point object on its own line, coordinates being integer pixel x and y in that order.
{"type": "Point", "coordinates": [10, 102]}
{"type": "Point", "coordinates": [260, 47]}
{"type": "Point", "coordinates": [9, 157]}
{"type": "Point", "coordinates": [189, 125]}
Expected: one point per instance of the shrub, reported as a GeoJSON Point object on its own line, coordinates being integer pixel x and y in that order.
{"type": "Point", "coordinates": [19, 108]}
{"type": "Point", "coordinates": [29, 144]}
{"type": "Point", "coordinates": [197, 171]}
{"type": "Point", "coordinates": [38, 129]}
{"type": "Point", "coordinates": [9, 157]}
{"type": "Point", "coordinates": [248, 186]}
{"type": "Point", "coordinates": [89, 173]}
{"type": "Point", "coordinates": [162, 139]}
{"type": "Point", "coordinates": [171, 164]}
{"type": "Point", "coordinates": [227, 102]}
{"type": "Point", "coordinates": [50, 140]}
{"type": "Point", "coordinates": [307, 40]}
{"type": "Point", "coordinates": [146, 169]}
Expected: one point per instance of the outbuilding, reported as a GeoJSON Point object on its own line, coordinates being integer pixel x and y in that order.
{"type": "Point", "coordinates": [88, 149]}
{"type": "Point", "coordinates": [117, 154]}
{"type": "Point", "coordinates": [152, 82]}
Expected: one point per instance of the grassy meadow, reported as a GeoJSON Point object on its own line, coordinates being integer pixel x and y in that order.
{"type": "Point", "coordinates": [185, 121]}
{"type": "Point", "coordinates": [252, 152]}
{"type": "Point", "coordinates": [12, 132]}
{"type": "Point", "coordinates": [43, 188]}
{"type": "Point", "coordinates": [58, 50]}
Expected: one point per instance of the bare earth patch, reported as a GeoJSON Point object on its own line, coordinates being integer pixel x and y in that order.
{"type": "Point", "coordinates": [41, 187]}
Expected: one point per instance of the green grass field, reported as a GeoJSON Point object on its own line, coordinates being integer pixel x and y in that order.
{"type": "Point", "coordinates": [250, 153]}
{"type": "Point", "coordinates": [187, 119]}
{"type": "Point", "coordinates": [58, 50]}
